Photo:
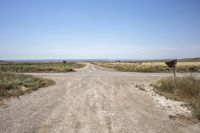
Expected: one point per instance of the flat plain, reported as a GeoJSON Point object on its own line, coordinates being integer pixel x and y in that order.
{"type": "Point", "coordinates": [95, 99]}
{"type": "Point", "coordinates": [151, 66]}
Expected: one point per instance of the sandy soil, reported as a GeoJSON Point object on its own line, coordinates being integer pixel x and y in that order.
{"type": "Point", "coordinates": [94, 100]}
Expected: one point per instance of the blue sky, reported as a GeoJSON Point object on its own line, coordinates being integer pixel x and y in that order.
{"type": "Point", "coordinates": [99, 29]}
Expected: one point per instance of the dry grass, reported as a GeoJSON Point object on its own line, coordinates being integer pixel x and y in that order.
{"type": "Point", "coordinates": [39, 67]}
{"type": "Point", "coordinates": [150, 66]}
{"type": "Point", "coordinates": [140, 87]}
{"type": "Point", "coordinates": [14, 85]}
{"type": "Point", "coordinates": [185, 88]}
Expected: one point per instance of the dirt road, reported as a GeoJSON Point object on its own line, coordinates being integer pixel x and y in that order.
{"type": "Point", "coordinates": [91, 100]}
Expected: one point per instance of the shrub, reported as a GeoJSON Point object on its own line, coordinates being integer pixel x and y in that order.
{"type": "Point", "coordinates": [186, 88]}
{"type": "Point", "coordinates": [14, 84]}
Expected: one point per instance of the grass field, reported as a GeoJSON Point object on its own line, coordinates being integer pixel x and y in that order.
{"type": "Point", "coordinates": [14, 85]}
{"type": "Point", "coordinates": [39, 67]}
{"type": "Point", "coordinates": [185, 89]}
{"type": "Point", "coordinates": [150, 66]}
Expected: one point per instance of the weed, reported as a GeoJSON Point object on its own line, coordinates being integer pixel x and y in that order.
{"type": "Point", "coordinates": [39, 67]}
{"type": "Point", "coordinates": [140, 87]}
{"type": "Point", "coordinates": [185, 88]}
{"type": "Point", "coordinates": [14, 85]}
{"type": "Point", "coordinates": [150, 66]}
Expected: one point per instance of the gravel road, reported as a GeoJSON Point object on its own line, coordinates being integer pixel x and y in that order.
{"type": "Point", "coordinates": [92, 100]}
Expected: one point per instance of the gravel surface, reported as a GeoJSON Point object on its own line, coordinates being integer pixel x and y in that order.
{"type": "Point", "coordinates": [92, 100]}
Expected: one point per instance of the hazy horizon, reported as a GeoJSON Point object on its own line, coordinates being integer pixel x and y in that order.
{"type": "Point", "coordinates": [99, 29]}
{"type": "Point", "coordinates": [75, 60]}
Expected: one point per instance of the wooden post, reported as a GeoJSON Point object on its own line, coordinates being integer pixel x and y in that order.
{"type": "Point", "coordinates": [174, 71]}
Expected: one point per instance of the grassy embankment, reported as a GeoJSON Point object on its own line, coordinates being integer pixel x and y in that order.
{"type": "Point", "coordinates": [39, 67]}
{"type": "Point", "coordinates": [14, 85]}
{"type": "Point", "coordinates": [185, 89]}
{"type": "Point", "coordinates": [150, 66]}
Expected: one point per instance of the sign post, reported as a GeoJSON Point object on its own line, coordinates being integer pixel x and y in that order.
{"type": "Point", "coordinates": [172, 64]}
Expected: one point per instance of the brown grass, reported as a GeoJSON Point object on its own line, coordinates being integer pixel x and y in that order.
{"type": "Point", "coordinates": [14, 85]}
{"type": "Point", "coordinates": [185, 88]}
{"type": "Point", "coordinates": [140, 87]}
{"type": "Point", "coordinates": [150, 66]}
{"type": "Point", "coordinates": [39, 67]}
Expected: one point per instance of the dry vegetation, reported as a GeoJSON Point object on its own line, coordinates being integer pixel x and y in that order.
{"type": "Point", "coordinates": [185, 89]}
{"type": "Point", "coordinates": [150, 66]}
{"type": "Point", "coordinates": [14, 85]}
{"type": "Point", "coordinates": [140, 87]}
{"type": "Point", "coordinates": [39, 67]}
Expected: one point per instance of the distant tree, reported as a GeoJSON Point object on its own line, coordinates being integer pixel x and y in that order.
{"type": "Point", "coordinates": [64, 61]}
